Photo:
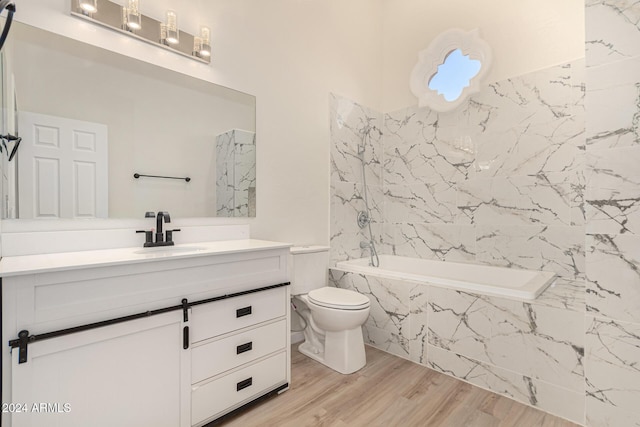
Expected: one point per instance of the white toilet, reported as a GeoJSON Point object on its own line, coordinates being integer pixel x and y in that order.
{"type": "Point", "coordinates": [333, 316]}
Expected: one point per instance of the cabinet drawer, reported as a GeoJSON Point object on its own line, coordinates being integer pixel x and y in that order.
{"type": "Point", "coordinates": [237, 387]}
{"type": "Point", "coordinates": [221, 317]}
{"type": "Point", "coordinates": [216, 357]}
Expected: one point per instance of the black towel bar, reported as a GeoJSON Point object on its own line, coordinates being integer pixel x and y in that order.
{"type": "Point", "coordinates": [138, 175]}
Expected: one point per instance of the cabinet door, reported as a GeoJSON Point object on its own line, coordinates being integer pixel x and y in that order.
{"type": "Point", "coordinates": [129, 374]}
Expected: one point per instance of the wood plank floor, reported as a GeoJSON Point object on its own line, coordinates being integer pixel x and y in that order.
{"type": "Point", "coordinates": [389, 391]}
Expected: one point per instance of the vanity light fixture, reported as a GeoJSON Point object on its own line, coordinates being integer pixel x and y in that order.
{"type": "Point", "coordinates": [169, 29]}
{"type": "Point", "coordinates": [88, 6]}
{"type": "Point", "coordinates": [131, 19]}
{"type": "Point", "coordinates": [125, 17]}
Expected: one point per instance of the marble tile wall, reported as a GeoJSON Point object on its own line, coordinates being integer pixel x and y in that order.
{"type": "Point", "coordinates": [514, 348]}
{"type": "Point", "coordinates": [352, 129]}
{"type": "Point", "coordinates": [612, 201]}
{"type": "Point", "coordinates": [498, 181]}
{"type": "Point", "coordinates": [539, 171]}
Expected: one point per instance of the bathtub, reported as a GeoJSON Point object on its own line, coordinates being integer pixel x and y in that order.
{"type": "Point", "coordinates": [476, 278]}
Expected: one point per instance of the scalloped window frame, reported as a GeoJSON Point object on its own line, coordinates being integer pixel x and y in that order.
{"type": "Point", "coordinates": [469, 43]}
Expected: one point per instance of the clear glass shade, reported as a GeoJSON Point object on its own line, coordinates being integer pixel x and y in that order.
{"type": "Point", "coordinates": [131, 17]}
{"type": "Point", "coordinates": [171, 33]}
{"type": "Point", "coordinates": [89, 6]}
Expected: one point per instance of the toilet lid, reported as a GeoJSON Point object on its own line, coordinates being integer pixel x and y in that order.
{"type": "Point", "coordinates": [342, 299]}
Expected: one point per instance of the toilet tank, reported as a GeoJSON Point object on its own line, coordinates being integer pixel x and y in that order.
{"type": "Point", "coordinates": [309, 268]}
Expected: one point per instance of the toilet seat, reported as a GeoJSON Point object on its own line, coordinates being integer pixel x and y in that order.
{"type": "Point", "coordinates": [337, 298]}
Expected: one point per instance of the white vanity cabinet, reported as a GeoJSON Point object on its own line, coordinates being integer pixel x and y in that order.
{"type": "Point", "coordinates": [239, 351]}
{"type": "Point", "coordinates": [195, 337]}
{"type": "Point", "coordinates": [128, 374]}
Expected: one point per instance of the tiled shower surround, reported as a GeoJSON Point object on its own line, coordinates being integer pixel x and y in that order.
{"type": "Point", "coordinates": [538, 172]}
{"type": "Point", "coordinates": [499, 181]}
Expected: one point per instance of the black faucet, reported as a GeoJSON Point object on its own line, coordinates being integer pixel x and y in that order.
{"type": "Point", "coordinates": [161, 217]}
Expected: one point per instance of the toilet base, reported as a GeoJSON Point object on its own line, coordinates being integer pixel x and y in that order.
{"type": "Point", "coordinates": [306, 349]}
{"type": "Point", "coordinates": [349, 357]}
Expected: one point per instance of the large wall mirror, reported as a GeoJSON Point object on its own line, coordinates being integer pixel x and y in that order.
{"type": "Point", "coordinates": [91, 120]}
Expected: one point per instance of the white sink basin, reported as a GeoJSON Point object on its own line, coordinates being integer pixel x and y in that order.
{"type": "Point", "coordinates": [169, 249]}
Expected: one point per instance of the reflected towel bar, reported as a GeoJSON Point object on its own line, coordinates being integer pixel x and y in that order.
{"type": "Point", "coordinates": [138, 175]}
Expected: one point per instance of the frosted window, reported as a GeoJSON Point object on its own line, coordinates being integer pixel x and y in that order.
{"type": "Point", "coordinates": [454, 74]}
{"type": "Point", "coordinates": [450, 70]}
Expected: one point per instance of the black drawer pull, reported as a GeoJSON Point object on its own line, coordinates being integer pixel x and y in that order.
{"type": "Point", "coordinates": [244, 347]}
{"type": "Point", "coordinates": [244, 384]}
{"type": "Point", "coordinates": [244, 311]}
{"type": "Point", "coordinates": [185, 337]}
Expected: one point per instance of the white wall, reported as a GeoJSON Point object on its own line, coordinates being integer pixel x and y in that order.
{"type": "Point", "coordinates": [290, 54]}
{"type": "Point", "coordinates": [525, 35]}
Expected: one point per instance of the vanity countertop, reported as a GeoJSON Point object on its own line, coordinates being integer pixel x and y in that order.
{"type": "Point", "coordinates": [30, 264]}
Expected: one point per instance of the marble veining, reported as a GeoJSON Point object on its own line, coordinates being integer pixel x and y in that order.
{"type": "Point", "coordinates": [520, 200]}
{"type": "Point", "coordinates": [613, 276]}
{"type": "Point", "coordinates": [354, 127]}
{"type": "Point", "coordinates": [612, 198]}
{"type": "Point", "coordinates": [555, 146]}
{"type": "Point", "coordinates": [613, 105]}
{"type": "Point", "coordinates": [612, 30]}
{"type": "Point", "coordinates": [435, 203]}
{"type": "Point", "coordinates": [417, 150]}
{"type": "Point", "coordinates": [418, 326]}
{"type": "Point", "coordinates": [536, 98]}
{"type": "Point", "coordinates": [513, 335]}
{"type": "Point", "coordinates": [537, 247]}
{"type": "Point", "coordinates": [445, 242]}
{"type": "Point", "coordinates": [613, 368]}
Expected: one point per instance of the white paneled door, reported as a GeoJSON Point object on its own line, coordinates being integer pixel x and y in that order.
{"type": "Point", "coordinates": [62, 168]}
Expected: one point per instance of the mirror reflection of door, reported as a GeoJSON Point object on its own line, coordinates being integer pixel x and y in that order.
{"type": "Point", "coordinates": [62, 168]}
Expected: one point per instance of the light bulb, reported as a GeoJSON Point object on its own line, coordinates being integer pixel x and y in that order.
{"type": "Point", "coordinates": [88, 5]}
{"type": "Point", "coordinates": [171, 28]}
{"type": "Point", "coordinates": [197, 45]}
{"type": "Point", "coordinates": [131, 15]}
{"type": "Point", "coordinates": [205, 46]}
